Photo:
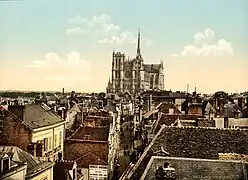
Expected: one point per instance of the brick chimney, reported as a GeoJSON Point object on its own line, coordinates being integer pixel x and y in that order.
{"type": "Point", "coordinates": [221, 106]}
{"type": "Point", "coordinates": [18, 110]}
{"type": "Point", "coordinates": [226, 122]}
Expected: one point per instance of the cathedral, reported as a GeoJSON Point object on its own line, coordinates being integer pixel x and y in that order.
{"type": "Point", "coordinates": [133, 75]}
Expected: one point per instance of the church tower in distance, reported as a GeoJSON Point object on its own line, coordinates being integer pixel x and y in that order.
{"type": "Point", "coordinates": [132, 75]}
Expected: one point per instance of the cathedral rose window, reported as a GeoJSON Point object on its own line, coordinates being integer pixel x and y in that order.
{"type": "Point", "coordinates": [128, 74]}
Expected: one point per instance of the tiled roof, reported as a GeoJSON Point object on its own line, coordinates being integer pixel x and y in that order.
{"type": "Point", "coordinates": [212, 141]}
{"type": "Point", "coordinates": [76, 150]}
{"type": "Point", "coordinates": [90, 158]}
{"type": "Point", "coordinates": [92, 133]}
{"type": "Point", "coordinates": [150, 68]}
{"type": "Point", "coordinates": [38, 115]}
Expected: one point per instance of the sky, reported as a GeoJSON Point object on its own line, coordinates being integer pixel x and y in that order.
{"type": "Point", "coordinates": [49, 45]}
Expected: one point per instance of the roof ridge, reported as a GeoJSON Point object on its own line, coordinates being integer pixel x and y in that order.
{"type": "Point", "coordinates": [74, 133]}
{"type": "Point", "coordinates": [145, 152]}
{"type": "Point", "coordinates": [89, 152]}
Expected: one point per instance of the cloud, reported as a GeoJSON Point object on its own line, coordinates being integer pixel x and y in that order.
{"type": "Point", "coordinates": [68, 71]}
{"type": "Point", "coordinates": [206, 36]}
{"type": "Point", "coordinates": [124, 37]}
{"type": "Point", "coordinates": [104, 25]}
{"type": "Point", "coordinates": [203, 47]}
{"type": "Point", "coordinates": [98, 22]}
{"type": "Point", "coordinates": [75, 30]}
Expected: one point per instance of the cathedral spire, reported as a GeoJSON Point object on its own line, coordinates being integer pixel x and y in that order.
{"type": "Point", "coordinates": [138, 47]}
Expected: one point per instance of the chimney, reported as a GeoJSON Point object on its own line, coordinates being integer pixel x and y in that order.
{"type": "Point", "coordinates": [62, 114]}
{"type": "Point", "coordinates": [31, 149]}
{"type": "Point", "coordinates": [5, 164]}
{"type": "Point", "coordinates": [63, 91]}
{"type": "Point", "coordinates": [225, 122]}
{"type": "Point", "coordinates": [39, 149]}
{"type": "Point", "coordinates": [59, 156]}
{"type": "Point", "coordinates": [221, 106]}
{"type": "Point", "coordinates": [18, 110]}
{"type": "Point", "coordinates": [150, 102]}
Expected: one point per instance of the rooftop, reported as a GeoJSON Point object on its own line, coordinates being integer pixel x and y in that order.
{"type": "Point", "coordinates": [36, 115]}
{"type": "Point", "coordinates": [17, 155]}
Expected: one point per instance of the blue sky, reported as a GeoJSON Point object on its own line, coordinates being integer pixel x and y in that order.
{"type": "Point", "coordinates": [202, 43]}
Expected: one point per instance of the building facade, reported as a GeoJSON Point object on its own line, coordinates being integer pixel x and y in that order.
{"type": "Point", "coordinates": [133, 75]}
{"type": "Point", "coordinates": [35, 129]}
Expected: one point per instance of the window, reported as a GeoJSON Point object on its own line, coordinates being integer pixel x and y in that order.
{"type": "Point", "coordinates": [46, 144]}
{"type": "Point", "coordinates": [50, 143]}
{"type": "Point", "coordinates": [86, 137]}
{"type": "Point", "coordinates": [171, 111]}
{"type": "Point", "coordinates": [55, 140]}
{"type": "Point", "coordinates": [74, 174]}
{"type": "Point", "coordinates": [98, 172]}
{"type": "Point", "coordinates": [60, 137]}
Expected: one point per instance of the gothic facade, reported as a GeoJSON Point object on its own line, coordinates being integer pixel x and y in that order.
{"type": "Point", "coordinates": [133, 75]}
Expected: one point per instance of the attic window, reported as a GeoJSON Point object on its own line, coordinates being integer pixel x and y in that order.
{"type": "Point", "coordinates": [87, 137]}
{"type": "Point", "coordinates": [171, 111]}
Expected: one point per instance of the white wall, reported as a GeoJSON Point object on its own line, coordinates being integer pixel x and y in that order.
{"type": "Point", "coordinates": [219, 122]}
{"type": "Point", "coordinates": [50, 134]}
{"type": "Point", "coordinates": [46, 174]}
{"type": "Point", "coordinates": [19, 175]}
{"type": "Point", "coordinates": [85, 172]}
{"type": "Point", "coordinates": [178, 103]}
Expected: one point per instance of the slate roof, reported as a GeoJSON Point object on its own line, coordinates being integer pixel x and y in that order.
{"type": "Point", "coordinates": [18, 155]}
{"type": "Point", "coordinates": [212, 141]}
{"type": "Point", "coordinates": [86, 152]}
{"type": "Point", "coordinates": [38, 115]}
{"type": "Point", "coordinates": [193, 168]}
{"type": "Point", "coordinates": [169, 119]}
{"type": "Point", "coordinates": [162, 107]}
{"type": "Point", "coordinates": [151, 68]}
{"type": "Point", "coordinates": [90, 158]}
{"type": "Point", "coordinates": [94, 133]}
{"type": "Point", "coordinates": [51, 98]}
